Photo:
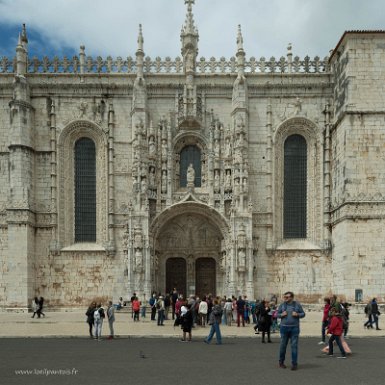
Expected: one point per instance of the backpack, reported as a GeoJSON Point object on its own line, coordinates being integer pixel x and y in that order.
{"type": "Point", "coordinates": [158, 304]}
{"type": "Point", "coordinates": [97, 315]}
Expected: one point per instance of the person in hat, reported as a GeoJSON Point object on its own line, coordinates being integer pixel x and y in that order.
{"type": "Point", "coordinates": [160, 307]}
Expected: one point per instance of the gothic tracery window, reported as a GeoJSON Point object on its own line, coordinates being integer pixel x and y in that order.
{"type": "Point", "coordinates": [190, 154]}
{"type": "Point", "coordinates": [295, 187]}
{"type": "Point", "coordinates": [85, 190]}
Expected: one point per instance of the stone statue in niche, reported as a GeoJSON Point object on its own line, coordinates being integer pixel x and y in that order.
{"type": "Point", "coordinates": [144, 185]}
{"type": "Point", "coordinates": [228, 148]}
{"type": "Point", "coordinates": [245, 185]}
{"type": "Point", "coordinates": [241, 258]}
{"type": "Point", "coordinates": [238, 156]}
{"type": "Point", "coordinates": [237, 187]}
{"type": "Point", "coordinates": [216, 148]}
{"type": "Point", "coordinates": [190, 175]}
{"type": "Point", "coordinates": [151, 146]}
{"type": "Point", "coordinates": [217, 184]}
{"type": "Point", "coordinates": [138, 260]}
{"type": "Point", "coordinates": [164, 148]}
{"type": "Point", "coordinates": [190, 61]}
{"type": "Point", "coordinates": [164, 182]}
{"type": "Point", "coordinates": [228, 181]}
{"type": "Point", "coordinates": [151, 177]}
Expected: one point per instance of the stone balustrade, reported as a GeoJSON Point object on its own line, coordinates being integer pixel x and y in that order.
{"type": "Point", "coordinates": [167, 66]}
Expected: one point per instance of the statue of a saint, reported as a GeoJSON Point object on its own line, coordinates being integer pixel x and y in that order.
{"type": "Point", "coordinates": [190, 174]}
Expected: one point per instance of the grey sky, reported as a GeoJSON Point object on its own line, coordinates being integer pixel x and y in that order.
{"type": "Point", "coordinates": [110, 27]}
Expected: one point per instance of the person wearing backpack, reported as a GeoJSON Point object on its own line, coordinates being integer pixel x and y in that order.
{"type": "Point", "coordinates": [90, 317]}
{"type": "Point", "coordinates": [289, 312]}
{"type": "Point", "coordinates": [98, 320]}
{"type": "Point", "coordinates": [215, 320]}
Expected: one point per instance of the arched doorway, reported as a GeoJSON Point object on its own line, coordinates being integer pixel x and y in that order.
{"type": "Point", "coordinates": [176, 275]}
{"type": "Point", "coordinates": [188, 242]}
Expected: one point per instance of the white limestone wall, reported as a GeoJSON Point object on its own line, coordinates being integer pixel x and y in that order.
{"type": "Point", "coordinates": [358, 258]}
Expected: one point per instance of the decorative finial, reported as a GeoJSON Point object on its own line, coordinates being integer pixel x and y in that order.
{"type": "Point", "coordinates": [24, 38]}
{"type": "Point", "coordinates": [19, 44]}
{"type": "Point", "coordinates": [189, 23]}
{"type": "Point", "coordinates": [239, 39]}
{"type": "Point", "coordinates": [140, 38]}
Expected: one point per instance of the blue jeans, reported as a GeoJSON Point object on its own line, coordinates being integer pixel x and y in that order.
{"type": "Point", "coordinates": [375, 320]}
{"type": "Point", "coordinates": [289, 333]}
{"type": "Point", "coordinates": [332, 338]}
{"type": "Point", "coordinates": [160, 317]}
{"type": "Point", "coordinates": [323, 330]}
{"type": "Point", "coordinates": [215, 330]}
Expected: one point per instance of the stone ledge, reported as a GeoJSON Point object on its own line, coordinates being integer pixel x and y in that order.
{"type": "Point", "coordinates": [297, 244]}
{"type": "Point", "coordinates": [83, 247]}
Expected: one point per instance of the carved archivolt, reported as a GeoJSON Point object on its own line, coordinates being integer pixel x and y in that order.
{"type": "Point", "coordinates": [67, 139]}
{"type": "Point", "coordinates": [309, 130]}
{"type": "Point", "coordinates": [186, 209]}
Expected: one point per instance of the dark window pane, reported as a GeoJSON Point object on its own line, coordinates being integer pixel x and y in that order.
{"type": "Point", "coordinates": [85, 191]}
{"type": "Point", "coordinates": [295, 187]}
{"type": "Point", "coordinates": [190, 154]}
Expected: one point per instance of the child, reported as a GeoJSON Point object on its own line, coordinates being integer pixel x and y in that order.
{"type": "Point", "coordinates": [136, 308]}
{"type": "Point", "coordinates": [336, 329]}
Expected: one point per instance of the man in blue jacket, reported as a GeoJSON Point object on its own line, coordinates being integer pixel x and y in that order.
{"type": "Point", "coordinates": [289, 312]}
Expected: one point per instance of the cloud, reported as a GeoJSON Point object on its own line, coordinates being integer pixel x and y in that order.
{"type": "Point", "coordinates": [110, 28]}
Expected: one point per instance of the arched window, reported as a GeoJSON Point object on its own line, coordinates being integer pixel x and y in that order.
{"type": "Point", "coordinates": [85, 191]}
{"type": "Point", "coordinates": [190, 155]}
{"type": "Point", "coordinates": [295, 187]}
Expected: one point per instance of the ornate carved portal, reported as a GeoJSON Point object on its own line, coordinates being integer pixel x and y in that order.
{"type": "Point", "coordinates": [189, 247]}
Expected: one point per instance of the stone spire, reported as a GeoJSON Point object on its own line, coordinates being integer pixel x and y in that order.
{"type": "Point", "coordinates": [240, 39]}
{"type": "Point", "coordinates": [240, 54]}
{"type": "Point", "coordinates": [22, 53]}
{"type": "Point", "coordinates": [140, 53]}
{"type": "Point", "coordinates": [24, 37]}
{"type": "Point", "coordinates": [189, 38]}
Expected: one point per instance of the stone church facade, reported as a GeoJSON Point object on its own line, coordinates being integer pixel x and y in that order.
{"type": "Point", "coordinates": [237, 176]}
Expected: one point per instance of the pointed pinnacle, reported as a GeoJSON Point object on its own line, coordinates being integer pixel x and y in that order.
{"type": "Point", "coordinates": [189, 23]}
{"type": "Point", "coordinates": [240, 39]}
{"type": "Point", "coordinates": [24, 38]}
{"type": "Point", "coordinates": [140, 38]}
{"type": "Point", "coordinates": [19, 40]}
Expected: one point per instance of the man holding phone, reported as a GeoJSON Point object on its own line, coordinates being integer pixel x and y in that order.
{"type": "Point", "coordinates": [289, 312]}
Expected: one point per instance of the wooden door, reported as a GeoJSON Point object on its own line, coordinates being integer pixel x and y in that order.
{"type": "Point", "coordinates": [205, 276]}
{"type": "Point", "coordinates": [176, 275]}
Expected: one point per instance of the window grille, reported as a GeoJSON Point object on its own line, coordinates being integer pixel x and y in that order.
{"type": "Point", "coordinates": [190, 154]}
{"type": "Point", "coordinates": [85, 191]}
{"type": "Point", "coordinates": [295, 187]}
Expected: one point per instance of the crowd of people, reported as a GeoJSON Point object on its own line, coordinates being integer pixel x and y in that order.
{"type": "Point", "coordinates": [216, 312]}
{"type": "Point", "coordinates": [267, 317]}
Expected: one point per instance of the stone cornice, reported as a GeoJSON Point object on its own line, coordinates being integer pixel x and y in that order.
{"type": "Point", "coordinates": [353, 210]}
{"type": "Point", "coordinates": [354, 112]}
